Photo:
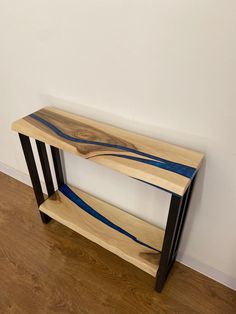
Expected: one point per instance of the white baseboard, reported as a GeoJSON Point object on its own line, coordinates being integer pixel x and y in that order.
{"type": "Point", "coordinates": [207, 270]}
{"type": "Point", "coordinates": [182, 258]}
{"type": "Point", "coordinates": [19, 175]}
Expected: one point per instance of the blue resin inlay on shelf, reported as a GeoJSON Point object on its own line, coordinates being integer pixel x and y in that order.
{"type": "Point", "coordinates": [178, 168]}
{"type": "Point", "coordinates": [88, 209]}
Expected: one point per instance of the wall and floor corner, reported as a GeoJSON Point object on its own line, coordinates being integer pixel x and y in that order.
{"type": "Point", "coordinates": [162, 68]}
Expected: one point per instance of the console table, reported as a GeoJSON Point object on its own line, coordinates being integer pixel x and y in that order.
{"type": "Point", "coordinates": [160, 164]}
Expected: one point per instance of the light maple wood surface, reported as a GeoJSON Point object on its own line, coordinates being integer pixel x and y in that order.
{"type": "Point", "coordinates": [62, 209]}
{"type": "Point", "coordinates": [91, 130]}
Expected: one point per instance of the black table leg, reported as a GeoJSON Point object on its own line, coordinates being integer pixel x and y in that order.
{"type": "Point", "coordinates": [33, 172]}
{"type": "Point", "coordinates": [174, 227]}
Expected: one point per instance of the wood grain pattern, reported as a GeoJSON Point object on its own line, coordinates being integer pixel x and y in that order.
{"type": "Point", "coordinates": [60, 208]}
{"type": "Point", "coordinates": [165, 165]}
{"type": "Point", "coordinates": [52, 269]}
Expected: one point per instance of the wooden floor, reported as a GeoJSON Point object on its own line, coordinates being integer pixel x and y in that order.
{"type": "Point", "coordinates": [51, 269]}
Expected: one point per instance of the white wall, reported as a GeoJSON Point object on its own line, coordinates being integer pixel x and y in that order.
{"type": "Point", "coordinates": [162, 68]}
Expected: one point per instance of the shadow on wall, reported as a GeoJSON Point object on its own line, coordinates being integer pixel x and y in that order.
{"type": "Point", "coordinates": [119, 120]}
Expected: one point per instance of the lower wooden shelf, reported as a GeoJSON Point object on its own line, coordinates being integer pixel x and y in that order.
{"type": "Point", "coordinates": [63, 210]}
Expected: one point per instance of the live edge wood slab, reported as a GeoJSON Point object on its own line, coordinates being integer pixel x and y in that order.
{"type": "Point", "coordinates": [167, 166]}
{"type": "Point", "coordinates": [151, 161]}
{"type": "Point", "coordinates": [60, 208]}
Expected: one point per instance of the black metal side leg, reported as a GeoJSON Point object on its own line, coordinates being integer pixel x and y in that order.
{"type": "Point", "coordinates": [173, 215]}
{"type": "Point", "coordinates": [186, 201]}
{"type": "Point", "coordinates": [33, 172]}
{"type": "Point", "coordinates": [175, 222]}
{"type": "Point", "coordinates": [45, 166]}
{"type": "Point", "coordinates": [57, 165]}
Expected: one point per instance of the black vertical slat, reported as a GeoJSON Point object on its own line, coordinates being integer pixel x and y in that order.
{"type": "Point", "coordinates": [57, 165]}
{"type": "Point", "coordinates": [45, 166]}
{"type": "Point", "coordinates": [184, 214]}
{"type": "Point", "coordinates": [178, 226]}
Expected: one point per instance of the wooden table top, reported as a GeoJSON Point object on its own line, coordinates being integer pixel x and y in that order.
{"type": "Point", "coordinates": [159, 163]}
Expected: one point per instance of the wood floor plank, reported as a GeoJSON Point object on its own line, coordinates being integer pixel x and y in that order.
{"type": "Point", "coordinates": [48, 269]}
